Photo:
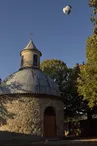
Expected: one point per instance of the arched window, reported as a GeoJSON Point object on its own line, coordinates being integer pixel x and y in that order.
{"type": "Point", "coordinates": [35, 60]}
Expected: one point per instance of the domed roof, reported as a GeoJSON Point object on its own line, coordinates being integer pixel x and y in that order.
{"type": "Point", "coordinates": [29, 80]}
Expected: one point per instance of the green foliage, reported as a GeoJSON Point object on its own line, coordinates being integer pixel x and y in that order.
{"type": "Point", "coordinates": [87, 81]}
{"type": "Point", "coordinates": [57, 70]}
{"type": "Point", "coordinates": [66, 78]}
{"type": "Point", "coordinates": [93, 4]}
{"type": "Point", "coordinates": [91, 50]}
{"type": "Point", "coordinates": [74, 102]}
{"type": "Point", "coordinates": [75, 128]}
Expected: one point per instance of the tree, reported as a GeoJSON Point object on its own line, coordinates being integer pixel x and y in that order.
{"type": "Point", "coordinates": [66, 78]}
{"type": "Point", "coordinates": [75, 104]}
{"type": "Point", "coordinates": [57, 70]}
{"type": "Point", "coordinates": [93, 4]}
{"type": "Point", "coordinates": [87, 81]}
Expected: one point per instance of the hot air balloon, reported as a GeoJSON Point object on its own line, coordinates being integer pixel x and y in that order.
{"type": "Point", "coordinates": [67, 9]}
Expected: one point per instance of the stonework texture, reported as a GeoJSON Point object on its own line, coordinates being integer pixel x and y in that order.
{"type": "Point", "coordinates": [26, 115]}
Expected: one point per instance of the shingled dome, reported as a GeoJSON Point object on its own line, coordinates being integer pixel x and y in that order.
{"type": "Point", "coordinates": [29, 78]}
{"type": "Point", "coordinates": [29, 81]}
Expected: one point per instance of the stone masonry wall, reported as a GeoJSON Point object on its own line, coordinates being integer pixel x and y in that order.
{"type": "Point", "coordinates": [26, 115]}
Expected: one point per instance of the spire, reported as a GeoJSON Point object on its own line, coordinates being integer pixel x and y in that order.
{"type": "Point", "coordinates": [31, 46]}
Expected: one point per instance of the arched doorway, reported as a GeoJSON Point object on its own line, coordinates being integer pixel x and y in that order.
{"type": "Point", "coordinates": [49, 122]}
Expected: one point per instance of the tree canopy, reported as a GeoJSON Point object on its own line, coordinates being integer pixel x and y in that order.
{"type": "Point", "coordinates": [87, 81]}
{"type": "Point", "coordinates": [57, 70]}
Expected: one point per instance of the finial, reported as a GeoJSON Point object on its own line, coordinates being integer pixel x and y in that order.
{"type": "Point", "coordinates": [31, 36]}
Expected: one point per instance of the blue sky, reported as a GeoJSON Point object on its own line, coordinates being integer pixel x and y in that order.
{"type": "Point", "coordinates": [54, 34]}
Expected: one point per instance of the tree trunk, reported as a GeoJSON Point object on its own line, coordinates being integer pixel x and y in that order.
{"type": "Point", "coordinates": [89, 119]}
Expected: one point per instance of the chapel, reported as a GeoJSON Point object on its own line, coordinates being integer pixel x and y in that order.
{"type": "Point", "coordinates": [30, 101]}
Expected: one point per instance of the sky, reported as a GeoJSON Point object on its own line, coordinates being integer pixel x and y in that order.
{"type": "Point", "coordinates": [56, 35]}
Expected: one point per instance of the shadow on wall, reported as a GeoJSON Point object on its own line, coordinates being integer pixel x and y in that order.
{"type": "Point", "coordinates": [4, 114]}
{"type": "Point", "coordinates": [5, 89]}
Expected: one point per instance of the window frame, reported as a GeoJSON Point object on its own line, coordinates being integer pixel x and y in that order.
{"type": "Point", "coordinates": [35, 60]}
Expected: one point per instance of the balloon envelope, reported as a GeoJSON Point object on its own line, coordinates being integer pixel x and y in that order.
{"type": "Point", "coordinates": [67, 10]}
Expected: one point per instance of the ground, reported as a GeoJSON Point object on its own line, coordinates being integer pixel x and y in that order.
{"type": "Point", "coordinates": [80, 142]}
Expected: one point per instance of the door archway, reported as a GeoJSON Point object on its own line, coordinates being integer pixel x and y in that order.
{"type": "Point", "coordinates": [49, 122]}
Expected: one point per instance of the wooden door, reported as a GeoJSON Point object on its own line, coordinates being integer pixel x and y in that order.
{"type": "Point", "coordinates": [49, 126]}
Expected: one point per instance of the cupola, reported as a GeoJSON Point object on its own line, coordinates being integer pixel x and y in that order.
{"type": "Point", "coordinates": [30, 56]}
